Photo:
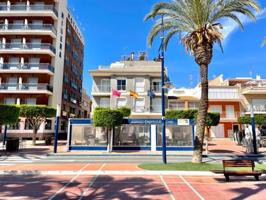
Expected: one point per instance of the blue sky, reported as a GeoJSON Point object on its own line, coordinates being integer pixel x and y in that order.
{"type": "Point", "coordinates": [115, 28]}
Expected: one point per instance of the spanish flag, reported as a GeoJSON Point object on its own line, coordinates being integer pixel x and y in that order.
{"type": "Point", "coordinates": [134, 94]}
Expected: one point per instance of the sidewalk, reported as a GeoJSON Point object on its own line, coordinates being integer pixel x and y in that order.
{"type": "Point", "coordinates": [217, 148]}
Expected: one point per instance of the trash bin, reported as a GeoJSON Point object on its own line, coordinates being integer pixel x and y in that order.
{"type": "Point", "coordinates": [12, 144]}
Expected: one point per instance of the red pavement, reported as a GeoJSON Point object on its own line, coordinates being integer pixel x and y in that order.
{"type": "Point", "coordinates": [126, 187]}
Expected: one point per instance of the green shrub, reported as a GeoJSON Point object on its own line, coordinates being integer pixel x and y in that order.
{"type": "Point", "coordinates": [259, 119]}
{"type": "Point", "coordinates": [9, 114]}
{"type": "Point", "coordinates": [107, 118]}
{"type": "Point", "coordinates": [181, 114]}
{"type": "Point", "coordinates": [126, 112]}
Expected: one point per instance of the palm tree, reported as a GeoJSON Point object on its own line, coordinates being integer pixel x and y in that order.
{"type": "Point", "coordinates": [198, 24]}
{"type": "Point", "coordinates": [264, 42]}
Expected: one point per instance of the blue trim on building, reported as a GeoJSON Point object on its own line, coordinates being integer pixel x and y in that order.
{"type": "Point", "coordinates": [175, 148]}
{"type": "Point", "coordinates": [128, 148]}
{"type": "Point", "coordinates": [81, 121]}
{"type": "Point", "coordinates": [98, 148]}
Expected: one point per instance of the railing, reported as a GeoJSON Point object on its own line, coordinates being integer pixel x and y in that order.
{"type": "Point", "coordinates": [223, 95]}
{"type": "Point", "coordinates": [42, 27]}
{"type": "Point", "coordinates": [27, 66]}
{"type": "Point", "coordinates": [26, 87]}
{"type": "Point", "coordinates": [102, 88]}
{"type": "Point", "coordinates": [29, 8]}
{"type": "Point", "coordinates": [44, 46]}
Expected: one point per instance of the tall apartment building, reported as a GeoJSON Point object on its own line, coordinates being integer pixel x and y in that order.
{"type": "Point", "coordinates": [36, 58]}
{"type": "Point", "coordinates": [132, 74]}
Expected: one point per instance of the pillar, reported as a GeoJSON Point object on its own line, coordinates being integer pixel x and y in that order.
{"type": "Point", "coordinates": [153, 137]}
{"type": "Point", "coordinates": [6, 23]}
{"type": "Point", "coordinates": [18, 101]}
{"type": "Point", "coordinates": [20, 82]}
{"type": "Point", "coordinates": [8, 5]}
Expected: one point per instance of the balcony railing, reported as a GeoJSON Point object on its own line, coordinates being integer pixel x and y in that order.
{"type": "Point", "coordinates": [102, 88]}
{"type": "Point", "coordinates": [40, 27]}
{"type": "Point", "coordinates": [25, 87]}
{"type": "Point", "coordinates": [26, 46]}
{"type": "Point", "coordinates": [29, 8]}
{"type": "Point", "coordinates": [27, 66]}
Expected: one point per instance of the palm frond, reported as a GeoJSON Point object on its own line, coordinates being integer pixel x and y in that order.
{"type": "Point", "coordinates": [198, 21]}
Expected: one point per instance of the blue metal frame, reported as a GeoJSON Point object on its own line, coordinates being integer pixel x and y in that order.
{"type": "Point", "coordinates": [98, 148]}
{"type": "Point", "coordinates": [5, 135]}
{"type": "Point", "coordinates": [56, 134]}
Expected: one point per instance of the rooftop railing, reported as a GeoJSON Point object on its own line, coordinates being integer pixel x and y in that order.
{"type": "Point", "coordinates": [102, 88]}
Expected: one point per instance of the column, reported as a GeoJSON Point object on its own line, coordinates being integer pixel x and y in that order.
{"type": "Point", "coordinates": [21, 62]}
{"type": "Point", "coordinates": [28, 5]}
{"type": "Point", "coordinates": [6, 23]}
{"type": "Point", "coordinates": [8, 5]}
{"type": "Point", "coordinates": [153, 138]}
{"type": "Point", "coordinates": [3, 43]}
{"type": "Point", "coordinates": [18, 101]}
{"type": "Point", "coordinates": [24, 43]}
{"type": "Point", "coordinates": [1, 62]}
{"type": "Point", "coordinates": [26, 23]}
{"type": "Point", "coordinates": [20, 83]}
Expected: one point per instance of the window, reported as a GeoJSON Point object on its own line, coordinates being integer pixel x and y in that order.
{"type": "Point", "coordinates": [10, 101]}
{"type": "Point", "coordinates": [121, 84]}
{"type": "Point", "coordinates": [28, 126]}
{"type": "Point", "coordinates": [177, 105]}
{"type": "Point", "coordinates": [105, 102]}
{"type": "Point", "coordinates": [156, 86]}
{"type": "Point", "coordinates": [230, 112]}
{"type": "Point", "coordinates": [105, 85]}
{"type": "Point", "coordinates": [139, 84]}
{"type": "Point", "coordinates": [156, 105]}
{"type": "Point", "coordinates": [193, 105]}
{"type": "Point", "coordinates": [48, 124]}
{"type": "Point", "coordinates": [31, 101]}
{"type": "Point", "coordinates": [121, 102]}
{"type": "Point", "coordinates": [139, 105]}
{"type": "Point", "coordinates": [216, 109]}
{"type": "Point", "coordinates": [132, 135]}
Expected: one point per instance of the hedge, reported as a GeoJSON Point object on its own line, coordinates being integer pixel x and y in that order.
{"type": "Point", "coordinates": [9, 114]}
{"type": "Point", "coordinates": [105, 117]}
{"type": "Point", "coordinates": [259, 119]}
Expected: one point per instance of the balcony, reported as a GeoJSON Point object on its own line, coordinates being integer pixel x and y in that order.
{"type": "Point", "coordinates": [101, 90]}
{"type": "Point", "coordinates": [28, 29]}
{"type": "Point", "coordinates": [27, 48]}
{"type": "Point", "coordinates": [26, 88]}
{"type": "Point", "coordinates": [28, 10]}
{"type": "Point", "coordinates": [27, 68]}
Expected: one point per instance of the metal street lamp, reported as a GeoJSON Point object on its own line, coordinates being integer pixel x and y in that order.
{"type": "Point", "coordinates": [253, 128]}
{"type": "Point", "coordinates": [58, 113]}
{"type": "Point", "coordinates": [162, 49]}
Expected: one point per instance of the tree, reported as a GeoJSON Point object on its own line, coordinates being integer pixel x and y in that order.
{"type": "Point", "coordinates": [9, 114]}
{"type": "Point", "coordinates": [126, 112]}
{"type": "Point", "coordinates": [108, 119]}
{"type": "Point", "coordinates": [212, 119]}
{"type": "Point", "coordinates": [181, 114]}
{"type": "Point", "coordinates": [36, 115]}
{"type": "Point", "coordinates": [259, 119]}
{"type": "Point", "coordinates": [198, 23]}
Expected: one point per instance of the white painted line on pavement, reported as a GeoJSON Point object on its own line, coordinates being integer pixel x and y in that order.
{"type": "Point", "coordinates": [167, 188]}
{"type": "Point", "coordinates": [91, 183]}
{"type": "Point", "coordinates": [67, 184]}
{"type": "Point", "coordinates": [190, 186]}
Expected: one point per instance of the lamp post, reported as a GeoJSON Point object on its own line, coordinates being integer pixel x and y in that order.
{"type": "Point", "coordinates": [162, 49]}
{"type": "Point", "coordinates": [58, 112]}
{"type": "Point", "coordinates": [253, 128]}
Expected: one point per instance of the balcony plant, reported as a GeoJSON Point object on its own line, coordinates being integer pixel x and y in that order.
{"type": "Point", "coordinates": [36, 115]}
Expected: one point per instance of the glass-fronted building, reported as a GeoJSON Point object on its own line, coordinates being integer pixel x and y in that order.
{"type": "Point", "coordinates": [134, 134]}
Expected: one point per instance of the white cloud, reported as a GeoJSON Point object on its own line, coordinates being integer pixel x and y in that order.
{"type": "Point", "coordinates": [229, 26]}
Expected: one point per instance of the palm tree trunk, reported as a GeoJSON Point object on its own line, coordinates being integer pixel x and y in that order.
{"type": "Point", "coordinates": [201, 119]}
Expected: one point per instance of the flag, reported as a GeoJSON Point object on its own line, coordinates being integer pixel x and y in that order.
{"type": "Point", "coordinates": [134, 94]}
{"type": "Point", "coordinates": [168, 85]}
{"type": "Point", "coordinates": [151, 94]}
{"type": "Point", "coordinates": [116, 93]}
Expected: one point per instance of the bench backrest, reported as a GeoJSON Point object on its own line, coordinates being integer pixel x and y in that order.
{"type": "Point", "coordinates": [238, 163]}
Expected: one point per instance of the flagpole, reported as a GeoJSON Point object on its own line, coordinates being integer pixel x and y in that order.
{"type": "Point", "coordinates": [163, 97]}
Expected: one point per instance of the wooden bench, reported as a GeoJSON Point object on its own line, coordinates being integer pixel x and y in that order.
{"type": "Point", "coordinates": [239, 164]}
